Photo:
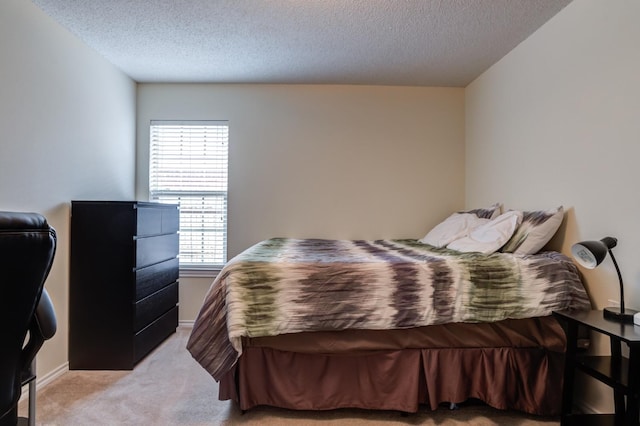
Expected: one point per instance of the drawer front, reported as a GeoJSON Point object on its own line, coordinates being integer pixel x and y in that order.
{"type": "Point", "coordinates": [152, 335]}
{"type": "Point", "coordinates": [170, 220]}
{"type": "Point", "coordinates": [153, 306]}
{"type": "Point", "coordinates": [152, 250]}
{"type": "Point", "coordinates": [158, 220]}
{"type": "Point", "coordinates": [154, 277]}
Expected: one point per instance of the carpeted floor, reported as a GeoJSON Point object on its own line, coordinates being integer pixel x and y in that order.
{"type": "Point", "coordinates": [170, 388]}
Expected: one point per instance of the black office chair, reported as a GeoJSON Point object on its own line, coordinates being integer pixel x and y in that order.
{"type": "Point", "coordinates": [27, 248]}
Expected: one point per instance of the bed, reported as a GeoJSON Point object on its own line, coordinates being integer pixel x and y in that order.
{"type": "Point", "coordinates": [388, 324]}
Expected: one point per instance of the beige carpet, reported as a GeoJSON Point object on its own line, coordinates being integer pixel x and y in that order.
{"type": "Point", "coordinates": [170, 388]}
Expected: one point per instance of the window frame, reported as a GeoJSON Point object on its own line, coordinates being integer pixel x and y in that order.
{"type": "Point", "coordinates": [208, 269]}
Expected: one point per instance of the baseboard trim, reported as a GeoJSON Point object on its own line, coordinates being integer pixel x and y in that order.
{"type": "Point", "coordinates": [43, 381]}
{"type": "Point", "coordinates": [186, 323]}
{"type": "Point", "coordinates": [51, 376]}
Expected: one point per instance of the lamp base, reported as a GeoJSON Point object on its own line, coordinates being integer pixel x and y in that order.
{"type": "Point", "coordinates": [614, 314]}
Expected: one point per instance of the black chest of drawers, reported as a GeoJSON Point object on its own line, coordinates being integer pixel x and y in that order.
{"type": "Point", "coordinates": [123, 292]}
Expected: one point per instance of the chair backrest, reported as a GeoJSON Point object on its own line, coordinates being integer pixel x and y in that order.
{"type": "Point", "coordinates": [27, 248]}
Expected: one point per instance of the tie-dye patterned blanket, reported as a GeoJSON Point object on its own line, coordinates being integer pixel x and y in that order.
{"type": "Point", "coordinates": [294, 285]}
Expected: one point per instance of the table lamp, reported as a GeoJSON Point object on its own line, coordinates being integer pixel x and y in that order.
{"type": "Point", "coordinates": [590, 254]}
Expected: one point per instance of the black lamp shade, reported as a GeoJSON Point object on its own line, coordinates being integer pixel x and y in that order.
{"type": "Point", "coordinates": [591, 253]}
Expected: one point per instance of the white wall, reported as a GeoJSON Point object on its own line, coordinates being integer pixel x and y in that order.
{"type": "Point", "coordinates": [67, 120]}
{"type": "Point", "coordinates": [322, 161]}
{"type": "Point", "coordinates": [557, 121]}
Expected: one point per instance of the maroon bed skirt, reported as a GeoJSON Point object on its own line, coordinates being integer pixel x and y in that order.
{"type": "Point", "coordinates": [527, 379]}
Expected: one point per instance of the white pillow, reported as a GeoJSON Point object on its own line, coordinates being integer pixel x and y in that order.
{"type": "Point", "coordinates": [536, 229]}
{"type": "Point", "coordinates": [452, 228]}
{"type": "Point", "coordinates": [488, 238]}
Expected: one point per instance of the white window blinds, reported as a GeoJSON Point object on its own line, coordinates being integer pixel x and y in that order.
{"type": "Point", "coordinates": [189, 165]}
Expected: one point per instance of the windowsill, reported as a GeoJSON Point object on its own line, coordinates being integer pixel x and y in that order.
{"type": "Point", "coordinates": [186, 272]}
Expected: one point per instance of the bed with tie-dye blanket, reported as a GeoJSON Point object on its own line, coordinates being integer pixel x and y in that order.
{"type": "Point", "coordinates": [288, 286]}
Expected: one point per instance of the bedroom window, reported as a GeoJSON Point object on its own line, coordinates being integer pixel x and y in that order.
{"type": "Point", "coordinates": [188, 164]}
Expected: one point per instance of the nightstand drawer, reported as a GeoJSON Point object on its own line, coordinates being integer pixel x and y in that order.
{"type": "Point", "coordinates": [152, 278]}
{"type": "Point", "coordinates": [153, 306]}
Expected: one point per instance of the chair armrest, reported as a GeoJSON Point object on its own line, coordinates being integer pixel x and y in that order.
{"type": "Point", "coordinates": [45, 317]}
{"type": "Point", "coordinates": [43, 327]}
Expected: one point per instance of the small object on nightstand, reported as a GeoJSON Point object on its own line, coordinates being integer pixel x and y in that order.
{"type": "Point", "coordinates": [636, 318]}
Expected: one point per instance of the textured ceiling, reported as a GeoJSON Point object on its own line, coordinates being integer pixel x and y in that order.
{"type": "Point", "coordinates": [378, 42]}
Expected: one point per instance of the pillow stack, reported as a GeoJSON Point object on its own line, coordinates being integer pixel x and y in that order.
{"type": "Point", "coordinates": [456, 226]}
{"type": "Point", "coordinates": [459, 225]}
{"type": "Point", "coordinates": [489, 237]}
{"type": "Point", "coordinates": [487, 230]}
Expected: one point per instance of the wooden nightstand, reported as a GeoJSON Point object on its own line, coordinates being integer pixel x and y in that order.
{"type": "Point", "coordinates": [620, 373]}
